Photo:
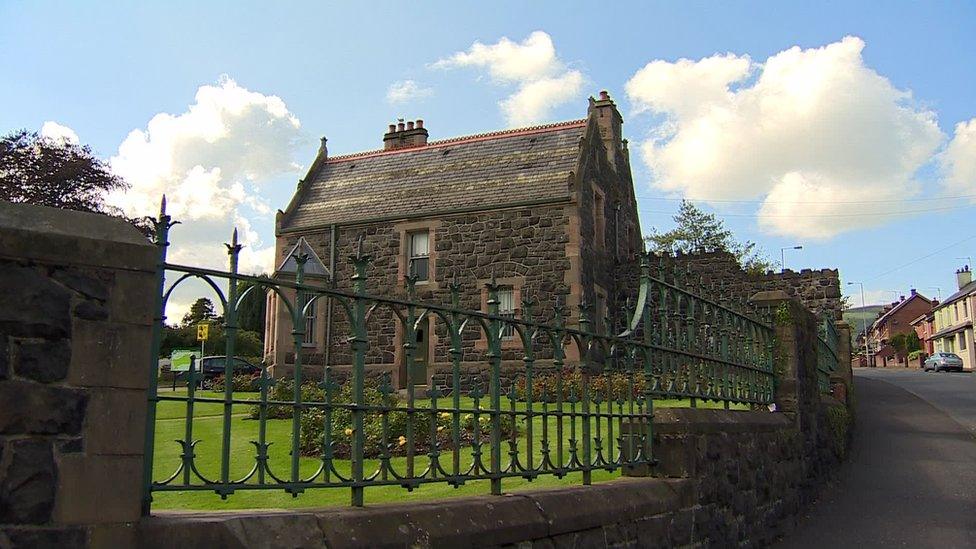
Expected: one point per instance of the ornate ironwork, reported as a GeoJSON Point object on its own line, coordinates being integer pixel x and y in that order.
{"type": "Point", "coordinates": [588, 405]}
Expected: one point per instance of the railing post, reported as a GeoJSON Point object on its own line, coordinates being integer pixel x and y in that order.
{"type": "Point", "coordinates": [298, 339]}
{"type": "Point", "coordinates": [495, 392]}
{"type": "Point", "coordinates": [359, 345]}
{"type": "Point", "coordinates": [646, 315]}
{"type": "Point", "coordinates": [230, 331]}
{"type": "Point", "coordinates": [162, 225]}
{"type": "Point", "coordinates": [586, 341]}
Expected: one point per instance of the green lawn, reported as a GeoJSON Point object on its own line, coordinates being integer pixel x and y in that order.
{"type": "Point", "coordinates": [208, 427]}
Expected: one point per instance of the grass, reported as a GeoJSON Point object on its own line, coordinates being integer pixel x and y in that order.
{"type": "Point", "coordinates": [208, 428]}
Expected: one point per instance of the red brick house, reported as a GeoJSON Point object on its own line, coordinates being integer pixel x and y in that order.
{"type": "Point", "coordinates": [896, 319]}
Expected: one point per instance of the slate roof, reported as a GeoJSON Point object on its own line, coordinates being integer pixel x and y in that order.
{"type": "Point", "coordinates": [962, 292]}
{"type": "Point", "coordinates": [485, 170]}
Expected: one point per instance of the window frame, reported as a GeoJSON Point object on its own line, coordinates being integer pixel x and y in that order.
{"type": "Point", "coordinates": [310, 317]}
{"type": "Point", "coordinates": [413, 256]}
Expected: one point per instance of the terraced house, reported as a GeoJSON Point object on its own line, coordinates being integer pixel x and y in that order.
{"type": "Point", "coordinates": [549, 212]}
{"type": "Point", "coordinates": [954, 321]}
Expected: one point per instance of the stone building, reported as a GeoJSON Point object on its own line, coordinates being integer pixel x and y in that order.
{"type": "Point", "coordinates": [549, 211]}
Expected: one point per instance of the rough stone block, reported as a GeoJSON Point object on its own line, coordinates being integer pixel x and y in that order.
{"type": "Point", "coordinates": [4, 357]}
{"type": "Point", "coordinates": [88, 284]}
{"type": "Point", "coordinates": [32, 408]}
{"type": "Point", "coordinates": [27, 485]}
{"type": "Point", "coordinates": [131, 299]}
{"type": "Point", "coordinates": [44, 537]}
{"type": "Point", "coordinates": [108, 354]}
{"type": "Point", "coordinates": [95, 489]}
{"type": "Point", "coordinates": [41, 360]}
{"type": "Point", "coordinates": [38, 308]}
{"type": "Point", "coordinates": [115, 422]}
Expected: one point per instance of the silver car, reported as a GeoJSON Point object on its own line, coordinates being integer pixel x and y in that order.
{"type": "Point", "coordinates": [943, 362]}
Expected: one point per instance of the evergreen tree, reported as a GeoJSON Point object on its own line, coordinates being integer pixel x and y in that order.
{"type": "Point", "coordinates": [697, 231]}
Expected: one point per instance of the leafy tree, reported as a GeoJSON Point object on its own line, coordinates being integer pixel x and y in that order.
{"type": "Point", "coordinates": [697, 231]}
{"type": "Point", "coordinates": [912, 342]}
{"type": "Point", "coordinates": [50, 172]}
{"type": "Point", "coordinates": [202, 309]}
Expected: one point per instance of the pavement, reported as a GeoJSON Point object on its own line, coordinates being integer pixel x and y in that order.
{"type": "Point", "coordinates": [910, 480]}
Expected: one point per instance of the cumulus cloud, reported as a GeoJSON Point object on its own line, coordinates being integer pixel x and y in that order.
{"type": "Point", "coordinates": [57, 132]}
{"type": "Point", "coordinates": [404, 91]}
{"type": "Point", "coordinates": [211, 162]}
{"type": "Point", "coordinates": [958, 161]}
{"type": "Point", "coordinates": [825, 142]}
{"type": "Point", "coordinates": [542, 80]}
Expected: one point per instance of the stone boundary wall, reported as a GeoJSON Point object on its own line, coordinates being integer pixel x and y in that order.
{"type": "Point", "coordinates": [75, 338]}
{"type": "Point", "coordinates": [817, 289]}
{"type": "Point", "coordinates": [726, 478]}
{"type": "Point", "coordinates": [76, 294]}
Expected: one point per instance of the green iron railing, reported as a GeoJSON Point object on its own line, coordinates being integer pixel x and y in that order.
{"type": "Point", "coordinates": [827, 353]}
{"type": "Point", "coordinates": [580, 401]}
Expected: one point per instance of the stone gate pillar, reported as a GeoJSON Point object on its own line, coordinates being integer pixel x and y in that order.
{"type": "Point", "coordinates": [76, 296]}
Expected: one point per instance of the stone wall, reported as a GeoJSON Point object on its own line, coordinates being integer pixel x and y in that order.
{"type": "Point", "coordinates": [725, 479]}
{"type": "Point", "coordinates": [817, 289]}
{"type": "Point", "coordinates": [75, 325]}
{"type": "Point", "coordinates": [522, 247]}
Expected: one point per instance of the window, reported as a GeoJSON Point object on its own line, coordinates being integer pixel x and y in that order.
{"type": "Point", "coordinates": [309, 338]}
{"type": "Point", "coordinates": [418, 255]}
{"type": "Point", "coordinates": [955, 311]}
{"type": "Point", "coordinates": [962, 341]}
{"type": "Point", "coordinates": [506, 308]}
{"type": "Point", "coordinates": [599, 219]}
{"type": "Point", "coordinates": [965, 309]}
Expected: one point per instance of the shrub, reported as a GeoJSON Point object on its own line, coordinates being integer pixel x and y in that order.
{"type": "Point", "coordinates": [609, 386]}
{"type": "Point", "coordinates": [313, 419]}
{"type": "Point", "coordinates": [241, 383]}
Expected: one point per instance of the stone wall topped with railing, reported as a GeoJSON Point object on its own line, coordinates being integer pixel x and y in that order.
{"type": "Point", "coordinates": [81, 462]}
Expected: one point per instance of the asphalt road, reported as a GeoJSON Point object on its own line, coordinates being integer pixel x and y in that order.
{"type": "Point", "coordinates": [910, 480]}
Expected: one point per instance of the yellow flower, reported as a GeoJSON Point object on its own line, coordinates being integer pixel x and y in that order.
{"type": "Point", "coordinates": [446, 415]}
{"type": "Point", "coordinates": [467, 417]}
{"type": "Point", "coordinates": [402, 440]}
{"type": "Point", "coordinates": [348, 432]}
{"type": "Point", "coordinates": [441, 428]}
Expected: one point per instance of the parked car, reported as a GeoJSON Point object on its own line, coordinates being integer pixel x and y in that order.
{"type": "Point", "coordinates": [213, 366]}
{"type": "Point", "coordinates": [943, 362]}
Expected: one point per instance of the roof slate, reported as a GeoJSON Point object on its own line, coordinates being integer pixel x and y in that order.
{"type": "Point", "coordinates": [487, 170]}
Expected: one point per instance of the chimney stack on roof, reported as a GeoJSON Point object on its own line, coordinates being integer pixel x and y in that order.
{"type": "Point", "coordinates": [964, 276]}
{"type": "Point", "coordinates": [405, 135]}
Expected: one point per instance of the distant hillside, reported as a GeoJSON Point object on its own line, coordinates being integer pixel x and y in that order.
{"type": "Point", "coordinates": [858, 317]}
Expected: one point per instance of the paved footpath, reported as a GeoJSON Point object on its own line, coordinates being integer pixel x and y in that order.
{"type": "Point", "coordinates": [910, 480]}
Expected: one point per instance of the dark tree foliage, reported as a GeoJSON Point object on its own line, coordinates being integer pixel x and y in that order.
{"type": "Point", "coordinates": [55, 173]}
{"type": "Point", "coordinates": [697, 231]}
{"type": "Point", "coordinates": [250, 314]}
{"type": "Point", "coordinates": [202, 309]}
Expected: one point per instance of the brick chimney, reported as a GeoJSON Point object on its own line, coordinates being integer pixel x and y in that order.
{"type": "Point", "coordinates": [964, 276]}
{"type": "Point", "coordinates": [405, 135]}
{"type": "Point", "coordinates": [610, 122]}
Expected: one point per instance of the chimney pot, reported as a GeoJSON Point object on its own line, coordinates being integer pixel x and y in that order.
{"type": "Point", "coordinates": [400, 126]}
{"type": "Point", "coordinates": [410, 125]}
{"type": "Point", "coordinates": [604, 95]}
{"type": "Point", "coordinates": [392, 128]}
{"type": "Point", "coordinates": [420, 123]}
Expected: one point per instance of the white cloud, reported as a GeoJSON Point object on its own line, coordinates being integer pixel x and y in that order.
{"type": "Point", "coordinates": [57, 132]}
{"type": "Point", "coordinates": [543, 81]}
{"type": "Point", "coordinates": [404, 91]}
{"type": "Point", "coordinates": [958, 162]}
{"type": "Point", "coordinates": [211, 162]}
{"type": "Point", "coordinates": [812, 133]}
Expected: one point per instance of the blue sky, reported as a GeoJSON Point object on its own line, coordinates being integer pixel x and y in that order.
{"type": "Point", "coordinates": [104, 69]}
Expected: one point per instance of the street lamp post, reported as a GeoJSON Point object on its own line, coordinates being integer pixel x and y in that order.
{"type": "Point", "coordinates": [782, 256]}
{"type": "Point", "coordinates": [937, 289]}
{"type": "Point", "coordinates": [864, 326]}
